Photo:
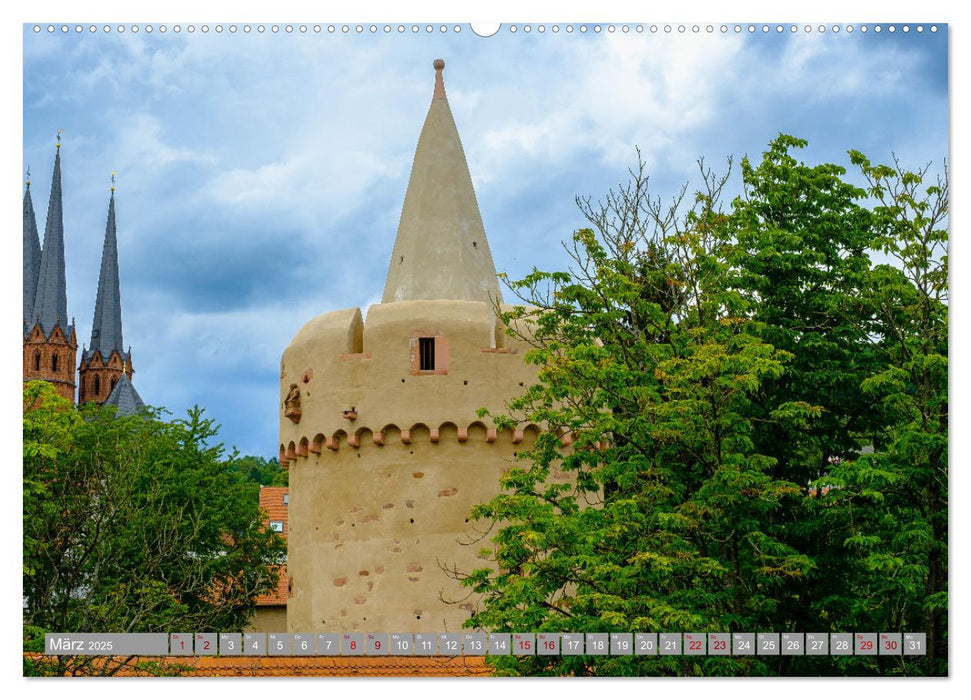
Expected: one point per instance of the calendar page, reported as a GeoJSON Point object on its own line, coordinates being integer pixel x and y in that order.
{"type": "Point", "coordinates": [526, 348]}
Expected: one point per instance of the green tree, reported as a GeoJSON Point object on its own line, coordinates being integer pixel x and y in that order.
{"type": "Point", "coordinates": [257, 471]}
{"type": "Point", "coordinates": [801, 259]}
{"type": "Point", "coordinates": [666, 519]}
{"type": "Point", "coordinates": [802, 239]}
{"type": "Point", "coordinates": [886, 511]}
{"type": "Point", "coordinates": [133, 524]}
{"type": "Point", "coordinates": [719, 374]}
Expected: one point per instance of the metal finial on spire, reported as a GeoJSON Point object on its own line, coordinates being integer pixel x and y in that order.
{"type": "Point", "coordinates": [113, 173]}
{"type": "Point", "coordinates": [439, 65]}
{"type": "Point", "coordinates": [59, 132]}
{"type": "Point", "coordinates": [28, 176]}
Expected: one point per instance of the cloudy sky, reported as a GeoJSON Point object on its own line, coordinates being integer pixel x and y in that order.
{"type": "Point", "coordinates": [261, 176]}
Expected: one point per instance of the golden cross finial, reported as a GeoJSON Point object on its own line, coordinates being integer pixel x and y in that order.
{"type": "Point", "coordinates": [28, 176]}
{"type": "Point", "coordinates": [113, 173]}
{"type": "Point", "coordinates": [59, 132]}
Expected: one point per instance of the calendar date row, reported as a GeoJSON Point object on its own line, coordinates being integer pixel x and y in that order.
{"type": "Point", "coordinates": [493, 644]}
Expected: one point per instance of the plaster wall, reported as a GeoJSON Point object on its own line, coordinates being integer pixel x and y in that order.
{"type": "Point", "coordinates": [379, 504]}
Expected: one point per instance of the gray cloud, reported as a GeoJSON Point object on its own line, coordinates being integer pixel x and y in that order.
{"type": "Point", "coordinates": [261, 177]}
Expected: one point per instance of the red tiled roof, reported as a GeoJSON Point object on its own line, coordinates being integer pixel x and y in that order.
{"type": "Point", "coordinates": [278, 596]}
{"type": "Point", "coordinates": [263, 666]}
{"type": "Point", "coordinates": [271, 501]}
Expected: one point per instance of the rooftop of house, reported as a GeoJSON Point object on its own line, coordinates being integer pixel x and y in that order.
{"type": "Point", "coordinates": [334, 666]}
{"type": "Point", "coordinates": [273, 502]}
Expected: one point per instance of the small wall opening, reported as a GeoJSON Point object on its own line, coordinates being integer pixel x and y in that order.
{"type": "Point", "coordinates": [498, 333]}
{"type": "Point", "coordinates": [429, 353]}
{"type": "Point", "coordinates": [426, 354]}
{"type": "Point", "coordinates": [54, 362]}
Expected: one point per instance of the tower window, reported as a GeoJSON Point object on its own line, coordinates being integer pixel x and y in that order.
{"type": "Point", "coordinates": [113, 382]}
{"type": "Point", "coordinates": [54, 362]}
{"type": "Point", "coordinates": [97, 385]}
{"type": "Point", "coordinates": [426, 354]}
{"type": "Point", "coordinates": [36, 361]}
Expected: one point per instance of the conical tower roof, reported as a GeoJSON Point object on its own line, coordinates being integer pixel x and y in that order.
{"type": "Point", "coordinates": [31, 257]}
{"type": "Point", "coordinates": [125, 397]}
{"type": "Point", "coordinates": [106, 333]}
{"type": "Point", "coordinates": [441, 251]}
{"type": "Point", "coordinates": [50, 303]}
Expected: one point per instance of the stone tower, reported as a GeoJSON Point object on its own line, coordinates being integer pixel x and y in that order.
{"type": "Point", "coordinates": [104, 363]}
{"type": "Point", "coordinates": [378, 422]}
{"type": "Point", "coordinates": [50, 343]}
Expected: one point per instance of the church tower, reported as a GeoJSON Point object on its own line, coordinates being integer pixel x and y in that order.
{"type": "Point", "coordinates": [50, 343]}
{"type": "Point", "coordinates": [105, 361]}
{"type": "Point", "coordinates": [378, 419]}
{"type": "Point", "coordinates": [31, 255]}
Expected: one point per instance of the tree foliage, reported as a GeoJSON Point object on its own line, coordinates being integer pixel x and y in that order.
{"type": "Point", "coordinates": [133, 524]}
{"type": "Point", "coordinates": [257, 471]}
{"type": "Point", "coordinates": [758, 419]}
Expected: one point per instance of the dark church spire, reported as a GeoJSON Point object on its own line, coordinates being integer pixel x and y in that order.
{"type": "Point", "coordinates": [106, 330]}
{"type": "Point", "coordinates": [125, 397]}
{"type": "Point", "coordinates": [31, 257]}
{"type": "Point", "coordinates": [50, 303]}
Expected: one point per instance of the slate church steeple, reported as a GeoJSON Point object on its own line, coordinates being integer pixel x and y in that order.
{"type": "Point", "coordinates": [50, 343]}
{"type": "Point", "coordinates": [105, 362]}
{"type": "Point", "coordinates": [31, 255]}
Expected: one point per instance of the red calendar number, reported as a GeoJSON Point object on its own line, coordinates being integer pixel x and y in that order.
{"type": "Point", "coordinates": [720, 646]}
{"type": "Point", "coordinates": [353, 646]}
{"type": "Point", "coordinates": [866, 646]}
{"type": "Point", "coordinates": [549, 645]}
{"type": "Point", "coordinates": [377, 645]}
{"type": "Point", "coordinates": [205, 645]}
{"type": "Point", "coordinates": [890, 645]}
{"type": "Point", "coordinates": [695, 644]}
{"type": "Point", "coordinates": [524, 645]}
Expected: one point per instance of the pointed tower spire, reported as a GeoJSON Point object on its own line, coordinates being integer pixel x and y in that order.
{"type": "Point", "coordinates": [125, 397]}
{"type": "Point", "coordinates": [50, 303]}
{"type": "Point", "coordinates": [441, 251]}
{"type": "Point", "coordinates": [50, 350]}
{"type": "Point", "coordinates": [31, 256]}
{"type": "Point", "coordinates": [106, 328]}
